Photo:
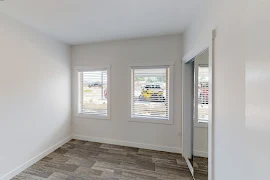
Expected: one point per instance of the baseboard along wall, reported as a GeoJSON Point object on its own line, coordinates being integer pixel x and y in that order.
{"type": "Point", "coordinates": [128, 143]}
{"type": "Point", "coordinates": [32, 161]}
{"type": "Point", "coordinates": [200, 153]}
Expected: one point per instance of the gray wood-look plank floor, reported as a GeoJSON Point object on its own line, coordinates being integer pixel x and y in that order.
{"type": "Point", "coordinates": [200, 168]}
{"type": "Point", "coordinates": [82, 160]}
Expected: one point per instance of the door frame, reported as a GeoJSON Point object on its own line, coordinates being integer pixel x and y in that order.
{"type": "Point", "coordinates": [186, 59]}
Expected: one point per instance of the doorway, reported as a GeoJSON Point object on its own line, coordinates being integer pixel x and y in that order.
{"type": "Point", "coordinates": [197, 114]}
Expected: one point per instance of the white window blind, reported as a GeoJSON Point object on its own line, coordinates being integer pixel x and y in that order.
{"type": "Point", "coordinates": [150, 92]}
{"type": "Point", "coordinates": [203, 89]}
{"type": "Point", "coordinates": [93, 92]}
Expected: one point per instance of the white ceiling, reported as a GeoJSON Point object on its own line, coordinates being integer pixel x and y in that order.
{"type": "Point", "coordinates": [84, 21]}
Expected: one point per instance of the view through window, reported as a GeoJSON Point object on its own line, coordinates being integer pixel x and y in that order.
{"type": "Point", "coordinates": [150, 93]}
{"type": "Point", "coordinates": [93, 92]}
{"type": "Point", "coordinates": [203, 89]}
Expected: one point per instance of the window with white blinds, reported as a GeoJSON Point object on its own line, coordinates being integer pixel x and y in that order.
{"type": "Point", "coordinates": [93, 92]}
{"type": "Point", "coordinates": [150, 92]}
{"type": "Point", "coordinates": [203, 89]}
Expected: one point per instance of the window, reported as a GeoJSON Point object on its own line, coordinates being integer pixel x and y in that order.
{"type": "Point", "coordinates": [150, 93]}
{"type": "Point", "coordinates": [93, 93]}
{"type": "Point", "coordinates": [203, 89]}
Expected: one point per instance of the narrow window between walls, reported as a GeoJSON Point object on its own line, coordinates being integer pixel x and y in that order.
{"type": "Point", "coordinates": [203, 89]}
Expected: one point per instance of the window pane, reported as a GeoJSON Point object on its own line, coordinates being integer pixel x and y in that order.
{"type": "Point", "coordinates": [203, 81]}
{"type": "Point", "coordinates": [93, 92]}
{"type": "Point", "coordinates": [150, 93]}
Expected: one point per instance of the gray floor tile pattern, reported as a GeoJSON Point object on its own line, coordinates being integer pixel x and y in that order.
{"type": "Point", "coordinates": [200, 168]}
{"type": "Point", "coordinates": [83, 160]}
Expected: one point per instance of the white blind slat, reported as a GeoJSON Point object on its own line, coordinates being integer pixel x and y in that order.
{"type": "Point", "coordinates": [150, 93]}
{"type": "Point", "coordinates": [203, 89]}
{"type": "Point", "coordinates": [93, 92]}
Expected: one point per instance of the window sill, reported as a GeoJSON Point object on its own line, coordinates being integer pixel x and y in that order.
{"type": "Point", "coordinates": [201, 124]}
{"type": "Point", "coordinates": [91, 116]}
{"type": "Point", "coordinates": [153, 121]}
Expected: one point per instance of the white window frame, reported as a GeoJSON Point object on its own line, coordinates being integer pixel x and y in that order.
{"type": "Point", "coordinates": [78, 69]}
{"type": "Point", "coordinates": [196, 119]}
{"type": "Point", "coordinates": [171, 95]}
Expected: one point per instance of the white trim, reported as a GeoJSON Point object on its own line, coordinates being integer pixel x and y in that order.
{"type": "Point", "coordinates": [211, 107]}
{"type": "Point", "coordinates": [187, 58]}
{"type": "Point", "coordinates": [200, 153]}
{"type": "Point", "coordinates": [32, 161]}
{"type": "Point", "coordinates": [150, 120]}
{"type": "Point", "coordinates": [190, 167]}
{"type": "Point", "coordinates": [187, 108]}
{"type": "Point", "coordinates": [200, 124]}
{"type": "Point", "coordinates": [91, 116]}
{"type": "Point", "coordinates": [151, 64]}
{"type": "Point", "coordinates": [91, 68]}
{"type": "Point", "coordinates": [194, 53]}
{"type": "Point", "coordinates": [77, 69]}
{"type": "Point", "coordinates": [128, 143]}
{"type": "Point", "coordinates": [171, 93]}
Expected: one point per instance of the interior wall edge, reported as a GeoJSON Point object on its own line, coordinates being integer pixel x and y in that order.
{"type": "Point", "coordinates": [191, 169]}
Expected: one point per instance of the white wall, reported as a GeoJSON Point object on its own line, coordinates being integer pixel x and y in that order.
{"type": "Point", "coordinates": [34, 94]}
{"type": "Point", "coordinates": [120, 54]}
{"type": "Point", "coordinates": [241, 78]}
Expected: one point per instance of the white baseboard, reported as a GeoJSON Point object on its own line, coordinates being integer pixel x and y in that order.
{"type": "Point", "coordinates": [128, 143]}
{"type": "Point", "coordinates": [190, 166]}
{"type": "Point", "coordinates": [32, 161]}
{"type": "Point", "coordinates": [200, 153]}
